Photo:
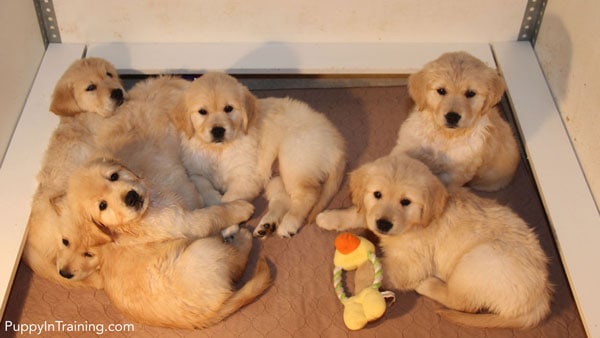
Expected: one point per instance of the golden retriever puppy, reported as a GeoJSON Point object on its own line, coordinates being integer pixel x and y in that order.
{"type": "Point", "coordinates": [119, 201]}
{"type": "Point", "coordinates": [466, 252]}
{"type": "Point", "coordinates": [456, 128]}
{"type": "Point", "coordinates": [142, 138]}
{"type": "Point", "coordinates": [87, 94]}
{"type": "Point", "coordinates": [166, 266]}
{"type": "Point", "coordinates": [232, 139]}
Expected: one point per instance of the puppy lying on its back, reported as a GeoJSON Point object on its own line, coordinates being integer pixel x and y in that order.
{"type": "Point", "coordinates": [85, 97]}
{"type": "Point", "coordinates": [466, 252]}
{"type": "Point", "coordinates": [161, 265]}
{"type": "Point", "coordinates": [456, 128]}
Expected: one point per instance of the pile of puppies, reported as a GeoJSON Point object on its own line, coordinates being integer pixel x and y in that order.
{"type": "Point", "coordinates": [154, 184]}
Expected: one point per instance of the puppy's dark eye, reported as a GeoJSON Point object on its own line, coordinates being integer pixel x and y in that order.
{"type": "Point", "coordinates": [404, 202]}
{"type": "Point", "coordinates": [103, 205]}
{"type": "Point", "coordinates": [202, 112]}
{"type": "Point", "coordinates": [442, 91]}
{"type": "Point", "coordinates": [109, 74]}
{"type": "Point", "coordinates": [228, 109]}
{"type": "Point", "coordinates": [90, 88]}
{"type": "Point", "coordinates": [114, 177]}
{"type": "Point", "coordinates": [88, 254]}
{"type": "Point", "coordinates": [377, 194]}
{"type": "Point", "coordinates": [469, 94]}
{"type": "Point", "coordinates": [65, 242]}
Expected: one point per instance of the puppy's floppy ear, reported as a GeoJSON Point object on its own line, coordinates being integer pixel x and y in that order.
{"type": "Point", "coordinates": [417, 88]}
{"type": "Point", "coordinates": [57, 202]}
{"type": "Point", "coordinates": [63, 100]}
{"type": "Point", "coordinates": [496, 88]}
{"type": "Point", "coordinates": [181, 119]}
{"type": "Point", "coordinates": [358, 182]}
{"type": "Point", "coordinates": [435, 197]}
{"type": "Point", "coordinates": [250, 108]}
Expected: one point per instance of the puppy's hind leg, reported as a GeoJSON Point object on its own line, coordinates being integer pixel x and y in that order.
{"type": "Point", "coordinates": [442, 293]}
{"type": "Point", "coordinates": [279, 204]}
{"type": "Point", "coordinates": [304, 194]}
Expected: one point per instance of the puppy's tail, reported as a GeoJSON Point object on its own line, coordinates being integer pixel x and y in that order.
{"type": "Point", "coordinates": [252, 289]}
{"type": "Point", "coordinates": [330, 188]}
{"type": "Point", "coordinates": [486, 320]}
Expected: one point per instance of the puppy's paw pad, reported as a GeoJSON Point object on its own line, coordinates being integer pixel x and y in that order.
{"type": "Point", "coordinates": [287, 235]}
{"type": "Point", "coordinates": [264, 229]}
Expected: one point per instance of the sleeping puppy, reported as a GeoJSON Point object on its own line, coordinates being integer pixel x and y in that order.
{"type": "Point", "coordinates": [161, 265]}
{"type": "Point", "coordinates": [85, 97]}
{"type": "Point", "coordinates": [232, 139]}
{"type": "Point", "coordinates": [468, 253]}
{"type": "Point", "coordinates": [456, 128]}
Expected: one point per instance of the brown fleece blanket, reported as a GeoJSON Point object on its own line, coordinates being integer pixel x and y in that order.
{"type": "Point", "coordinates": [302, 302]}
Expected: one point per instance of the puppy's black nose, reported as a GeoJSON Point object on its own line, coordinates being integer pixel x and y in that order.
{"type": "Point", "coordinates": [452, 119]}
{"type": "Point", "coordinates": [133, 199]}
{"type": "Point", "coordinates": [117, 95]}
{"type": "Point", "coordinates": [384, 225]}
{"type": "Point", "coordinates": [65, 274]}
{"type": "Point", "coordinates": [218, 133]}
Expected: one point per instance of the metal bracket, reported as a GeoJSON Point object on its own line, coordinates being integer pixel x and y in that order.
{"type": "Point", "coordinates": [532, 20]}
{"type": "Point", "coordinates": [47, 20]}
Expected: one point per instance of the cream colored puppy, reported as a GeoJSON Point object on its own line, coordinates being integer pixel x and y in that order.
{"type": "Point", "coordinates": [468, 253]}
{"type": "Point", "coordinates": [456, 128]}
{"type": "Point", "coordinates": [233, 140]}
{"type": "Point", "coordinates": [161, 265]}
{"type": "Point", "coordinates": [142, 138]}
{"type": "Point", "coordinates": [85, 97]}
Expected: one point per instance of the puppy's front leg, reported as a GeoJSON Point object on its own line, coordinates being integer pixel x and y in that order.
{"type": "Point", "coordinates": [242, 188]}
{"type": "Point", "coordinates": [211, 220]}
{"type": "Point", "coordinates": [210, 195]}
{"type": "Point", "coordinates": [341, 219]}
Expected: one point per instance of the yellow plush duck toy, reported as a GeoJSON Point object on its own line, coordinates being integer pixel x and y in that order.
{"type": "Point", "coordinates": [369, 304]}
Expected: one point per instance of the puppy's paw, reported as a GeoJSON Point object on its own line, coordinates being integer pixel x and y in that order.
{"type": "Point", "coordinates": [264, 229]}
{"type": "Point", "coordinates": [289, 227]}
{"type": "Point", "coordinates": [327, 220]}
{"type": "Point", "coordinates": [229, 233]}
{"type": "Point", "coordinates": [241, 209]}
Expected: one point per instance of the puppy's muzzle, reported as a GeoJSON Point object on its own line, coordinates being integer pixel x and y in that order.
{"type": "Point", "coordinates": [65, 274]}
{"type": "Point", "coordinates": [218, 134]}
{"type": "Point", "coordinates": [383, 225]}
{"type": "Point", "coordinates": [134, 200]}
{"type": "Point", "coordinates": [452, 119]}
{"type": "Point", "coordinates": [117, 96]}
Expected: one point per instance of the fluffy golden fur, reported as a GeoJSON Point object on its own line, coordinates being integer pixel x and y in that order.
{"type": "Point", "coordinates": [141, 136]}
{"type": "Point", "coordinates": [161, 264]}
{"type": "Point", "coordinates": [456, 128]}
{"type": "Point", "coordinates": [468, 253]}
{"type": "Point", "coordinates": [87, 94]}
{"type": "Point", "coordinates": [231, 141]}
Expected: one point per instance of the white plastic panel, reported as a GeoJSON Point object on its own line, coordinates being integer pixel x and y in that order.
{"type": "Point", "coordinates": [23, 159]}
{"type": "Point", "coordinates": [307, 21]}
{"type": "Point", "coordinates": [566, 196]}
{"type": "Point", "coordinates": [279, 58]}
